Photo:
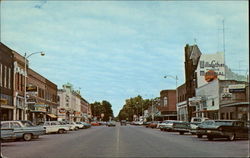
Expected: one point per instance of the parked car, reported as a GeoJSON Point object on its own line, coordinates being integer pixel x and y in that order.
{"type": "Point", "coordinates": [7, 134]}
{"type": "Point", "coordinates": [85, 125]}
{"type": "Point", "coordinates": [77, 125]}
{"type": "Point", "coordinates": [181, 127]}
{"type": "Point", "coordinates": [111, 124]}
{"type": "Point", "coordinates": [66, 123]}
{"type": "Point", "coordinates": [163, 123]}
{"type": "Point", "coordinates": [153, 124]}
{"type": "Point", "coordinates": [230, 129]}
{"type": "Point", "coordinates": [168, 126]}
{"type": "Point", "coordinates": [195, 121]}
{"type": "Point", "coordinates": [123, 122]}
{"type": "Point", "coordinates": [95, 124]}
{"type": "Point", "coordinates": [23, 129]}
{"type": "Point", "coordinates": [54, 127]}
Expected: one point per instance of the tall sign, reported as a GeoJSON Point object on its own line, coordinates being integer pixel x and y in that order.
{"type": "Point", "coordinates": [210, 67]}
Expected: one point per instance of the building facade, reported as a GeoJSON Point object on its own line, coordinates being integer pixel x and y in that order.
{"type": "Point", "coordinates": [6, 83]}
{"type": "Point", "coordinates": [72, 107]}
{"type": "Point", "coordinates": [167, 108]}
{"type": "Point", "coordinates": [18, 86]}
{"type": "Point", "coordinates": [182, 103]}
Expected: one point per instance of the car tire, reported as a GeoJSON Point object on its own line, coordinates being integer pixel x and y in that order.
{"type": "Point", "coordinates": [27, 136]}
{"type": "Point", "coordinates": [199, 136]}
{"type": "Point", "coordinates": [231, 137]}
{"type": "Point", "coordinates": [181, 133]}
{"type": "Point", "coordinates": [210, 138]}
{"type": "Point", "coordinates": [61, 131]}
{"type": "Point", "coordinates": [76, 128]}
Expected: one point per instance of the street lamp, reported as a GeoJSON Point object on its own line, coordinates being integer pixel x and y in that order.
{"type": "Point", "coordinates": [26, 56]}
{"type": "Point", "coordinates": [176, 80]}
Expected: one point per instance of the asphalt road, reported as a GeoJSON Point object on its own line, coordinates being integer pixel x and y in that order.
{"type": "Point", "coordinates": [123, 141]}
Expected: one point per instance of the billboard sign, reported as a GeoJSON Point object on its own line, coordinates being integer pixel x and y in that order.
{"type": "Point", "coordinates": [210, 67]}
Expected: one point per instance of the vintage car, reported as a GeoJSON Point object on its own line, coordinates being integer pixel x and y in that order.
{"type": "Point", "coordinates": [181, 127]}
{"type": "Point", "coordinates": [7, 134]}
{"type": "Point", "coordinates": [123, 122]}
{"type": "Point", "coordinates": [230, 129]}
{"type": "Point", "coordinates": [195, 121]}
{"type": "Point", "coordinates": [168, 126]}
{"type": "Point", "coordinates": [23, 129]}
{"type": "Point", "coordinates": [54, 127]}
{"type": "Point", "coordinates": [95, 124]}
{"type": "Point", "coordinates": [111, 124]}
{"type": "Point", "coordinates": [153, 124]}
{"type": "Point", "coordinates": [85, 125]}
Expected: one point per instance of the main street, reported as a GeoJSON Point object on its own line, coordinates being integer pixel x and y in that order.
{"type": "Point", "coordinates": [123, 141]}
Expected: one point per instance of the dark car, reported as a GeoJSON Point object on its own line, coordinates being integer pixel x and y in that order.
{"type": "Point", "coordinates": [230, 129]}
{"type": "Point", "coordinates": [181, 127]}
{"type": "Point", "coordinates": [123, 122]}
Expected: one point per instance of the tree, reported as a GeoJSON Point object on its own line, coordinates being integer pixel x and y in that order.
{"type": "Point", "coordinates": [102, 108]}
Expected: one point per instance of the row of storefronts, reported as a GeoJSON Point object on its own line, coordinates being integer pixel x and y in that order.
{"type": "Point", "coordinates": [42, 100]}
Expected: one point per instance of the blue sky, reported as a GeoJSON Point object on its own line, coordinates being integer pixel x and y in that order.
{"type": "Point", "coordinates": [114, 50]}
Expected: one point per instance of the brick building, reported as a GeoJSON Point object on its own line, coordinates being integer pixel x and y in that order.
{"type": "Point", "coordinates": [6, 83]}
{"type": "Point", "coordinates": [167, 108]}
{"type": "Point", "coordinates": [18, 86]}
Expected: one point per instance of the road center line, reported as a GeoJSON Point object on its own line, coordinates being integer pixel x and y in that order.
{"type": "Point", "coordinates": [117, 140]}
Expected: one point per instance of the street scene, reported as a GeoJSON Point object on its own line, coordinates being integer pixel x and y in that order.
{"type": "Point", "coordinates": [124, 79]}
{"type": "Point", "coordinates": [124, 141]}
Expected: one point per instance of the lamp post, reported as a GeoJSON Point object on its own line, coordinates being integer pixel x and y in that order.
{"type": "Point", "coordinates": [176, 84]}
{"type": "Point", "coordinates": [25, 79]}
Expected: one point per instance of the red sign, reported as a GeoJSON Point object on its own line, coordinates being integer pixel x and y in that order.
{"type": "Point", "coordinates": [210, 75]}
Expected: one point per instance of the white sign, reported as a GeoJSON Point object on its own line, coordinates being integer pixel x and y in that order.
{"type": "Point", "coordinates": [208, 62]}
{"type": "Point", "coordinates": [237, 86]}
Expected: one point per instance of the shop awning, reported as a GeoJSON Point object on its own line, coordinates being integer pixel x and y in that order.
{"type": "Point", "coordinates": [52, 115]}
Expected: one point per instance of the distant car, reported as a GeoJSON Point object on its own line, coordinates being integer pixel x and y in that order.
{"type": "Point", "coordinates": [7, 134]}
{"type": "Point", "coordinates": [23, 129]}
{"type": "Point", "coordinates": [95, 124]}
{"type": "Point", "coordinates": [85, 125]}
{"type": "Point", "coordinates": [123, 122]}
{"type": "Point", "coordinates": [230, 129]}
{"type": "Point", "coordinates": [111, 124]}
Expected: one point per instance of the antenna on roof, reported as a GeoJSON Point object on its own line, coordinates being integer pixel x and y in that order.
{"type": "Point", "coordinates": [224, 50]}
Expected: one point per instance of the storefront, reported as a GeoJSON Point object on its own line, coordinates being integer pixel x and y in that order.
{"type": "Point", "coordinates": [38, 113]}
{"type": "Point", "coordinates": [6, 108]}
{"type": "Point", "coordinates": [235, 111]}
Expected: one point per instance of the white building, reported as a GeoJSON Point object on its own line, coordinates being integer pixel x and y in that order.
{"type": "Point", "coordinates": [69, 103]}
{"type": "Point", "coordinates": [207, 100]}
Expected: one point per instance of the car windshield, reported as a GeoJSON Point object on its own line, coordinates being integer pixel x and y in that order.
{"type": "Point", "coordinates": [27, 123]}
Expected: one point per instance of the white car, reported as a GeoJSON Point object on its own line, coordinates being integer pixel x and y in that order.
{"type": "Point", "coordinates": [70, 125]}
{"type": "Point", "coordinates": [78, 125]}
{"type": "Point", "coordinates": [54, 127]}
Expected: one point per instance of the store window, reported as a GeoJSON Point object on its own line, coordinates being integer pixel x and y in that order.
{"type": "Point", "coordinates": [165, 101]}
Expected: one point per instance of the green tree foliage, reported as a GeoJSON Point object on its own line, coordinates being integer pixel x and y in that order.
{"type": "Point", "coordinates": [103, 107]}
{"type": "Point", "coordinates": [134, 106]}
